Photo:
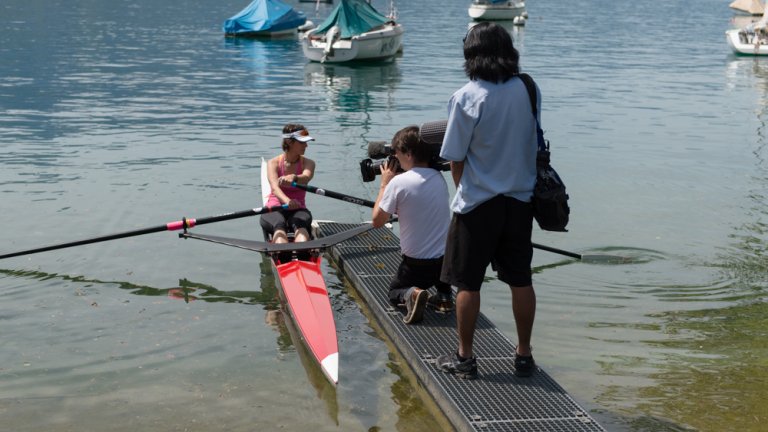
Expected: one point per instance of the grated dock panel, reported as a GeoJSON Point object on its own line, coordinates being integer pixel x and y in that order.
{"type": "Point", "coordinates": [497, 400]}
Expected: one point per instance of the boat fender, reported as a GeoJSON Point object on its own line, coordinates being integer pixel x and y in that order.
{"type": "Point", "coordinates": [306, 27]}
{"type": "Point", "coordinates": [330, 37]}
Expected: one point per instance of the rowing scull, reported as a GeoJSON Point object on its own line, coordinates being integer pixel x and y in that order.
{"type": "Point", "coordinates": [304, 293]}
{"type": "Point", "coordinates": [301, 285]}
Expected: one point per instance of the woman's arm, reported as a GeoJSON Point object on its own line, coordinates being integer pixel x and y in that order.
{"type": "Point", "coordinates": [308, 172]}
{"type": "Point", "coordinates": [274, 181]}
{"type": "Point", "coordinates": [379, 217]}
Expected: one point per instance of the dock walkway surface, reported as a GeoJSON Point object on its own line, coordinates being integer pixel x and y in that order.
{"type": "Point", "coordinates": [497, 400]}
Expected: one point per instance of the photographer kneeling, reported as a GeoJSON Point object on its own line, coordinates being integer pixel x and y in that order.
{"type": "Point", "coordinates": [419, 197]}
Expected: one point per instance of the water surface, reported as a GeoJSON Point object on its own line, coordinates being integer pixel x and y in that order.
{"type": "Point", "coordinates": [118, 116]}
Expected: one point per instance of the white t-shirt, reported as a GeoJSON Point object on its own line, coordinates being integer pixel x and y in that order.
{"type": "Point", "coordinates": [419, 197]}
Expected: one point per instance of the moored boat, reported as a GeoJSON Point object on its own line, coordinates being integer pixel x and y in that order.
{"type": "Point", "coordinates": [496, 9]}
{"type": "Point", "coordinates": [353, 31]}
{"type": "Point", "coordinates": [750, 40]}
{"type": "Point", "coordinates": [266, 18]}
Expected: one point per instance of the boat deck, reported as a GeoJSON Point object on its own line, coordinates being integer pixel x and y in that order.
{"type": "Point", "coordinates": [497, 400]}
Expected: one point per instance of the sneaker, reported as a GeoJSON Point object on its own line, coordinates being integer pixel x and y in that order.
{"type": "Point", "coordinates": [415, 302]}
{"type": "Point", "coordinates": [442, 302]}
{"type": "Point", "coordinates": [524, 365]}
{"type": "Point", "coordinates": [462, 368]}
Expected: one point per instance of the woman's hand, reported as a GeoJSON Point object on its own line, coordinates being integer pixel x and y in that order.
{"type": "Point", "coordinates": [294, 205]}
{"type": "Point", "coordinates": [286, 180]}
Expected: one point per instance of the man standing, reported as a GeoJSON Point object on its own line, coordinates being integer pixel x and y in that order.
{"type": "Point", "coordinates": [419, 197]}
{"type": "Point", "coordinates": [491, 143]}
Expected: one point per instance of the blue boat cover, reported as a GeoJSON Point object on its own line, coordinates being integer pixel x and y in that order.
{"type": "Point", "coordinates": [353, 17]}
{"type": "Point", "coordinates": [264, 15]}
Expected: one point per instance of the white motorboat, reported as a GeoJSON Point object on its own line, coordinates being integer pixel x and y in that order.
{"type": "Point", "coordinates": [747, 43]}
{"type": "Point", "coordinates": [496, 9]}
{"type": "Point", "coordinates": [353, 31]}
{"type": "Point", "coordinates": [750, 40]}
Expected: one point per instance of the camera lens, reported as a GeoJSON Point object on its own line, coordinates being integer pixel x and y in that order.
{"type": "Point", "coordinates": [367, 170]}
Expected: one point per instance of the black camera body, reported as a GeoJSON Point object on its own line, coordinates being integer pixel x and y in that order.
{"type": "Point", "coordinates": [380, 152]}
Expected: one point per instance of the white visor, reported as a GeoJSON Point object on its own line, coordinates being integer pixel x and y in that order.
{"type": "Point", "coordinates": [299, 135]}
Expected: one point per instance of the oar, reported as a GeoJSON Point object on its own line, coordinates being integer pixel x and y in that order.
{"type": "Point", "coordinates": [332, 194]}
{"type": "Point", "coordinates": [370, 204]}
{"type": "Point", "coordinates": [558, 251]}
{"type": "Point", "coordinates": [170, 226]}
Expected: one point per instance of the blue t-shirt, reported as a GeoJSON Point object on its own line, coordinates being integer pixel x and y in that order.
{"type": "Point", "coordinates": [491, 128]}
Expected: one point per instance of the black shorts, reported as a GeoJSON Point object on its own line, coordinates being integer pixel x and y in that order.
{"type": "Point", "coordinates": [421, 273]}
{"type": "Point", "coordinates": [496, 232]}
{"type": "Point", "coordinates": [286, 220]}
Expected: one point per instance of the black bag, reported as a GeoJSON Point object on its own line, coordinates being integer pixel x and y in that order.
{"type": "Point", "coordinates": [550, 201]}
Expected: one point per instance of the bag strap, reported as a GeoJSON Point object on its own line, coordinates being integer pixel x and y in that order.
{"type": "Point", "coordinates": [530, 85]}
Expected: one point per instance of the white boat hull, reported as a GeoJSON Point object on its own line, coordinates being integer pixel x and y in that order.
{"type": "Point", "coordinates": [498, 11]}
{"type": "Point", "coordinates": [745, 43]}
{"type": "Point", "coordinates": [374, 45]}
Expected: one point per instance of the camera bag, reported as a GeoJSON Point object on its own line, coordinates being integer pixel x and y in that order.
{"type": "Point", "coordinates": [550, 201]}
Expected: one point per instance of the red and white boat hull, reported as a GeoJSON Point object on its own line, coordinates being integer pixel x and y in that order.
{"type": "Point", "coordinates": [306, 297]}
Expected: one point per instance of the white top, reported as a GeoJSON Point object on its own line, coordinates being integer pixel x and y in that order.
{"type": "Point", "coordinates": [419, 197]}
{"type": "Point", "coordinates": [491, 128]}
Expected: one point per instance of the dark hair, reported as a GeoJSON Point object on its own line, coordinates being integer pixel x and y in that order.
{"type": "Point", "coordinates": [489, 53]}
{"type": "Point", "coordinates": [408, 140]}
{"type": "Point", "coordinates": [290, 127]}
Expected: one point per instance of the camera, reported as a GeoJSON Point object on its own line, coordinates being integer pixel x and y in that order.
{"type": "Point", "coordinates": [380, 152]}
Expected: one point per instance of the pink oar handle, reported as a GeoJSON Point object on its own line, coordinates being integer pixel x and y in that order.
{"type": "Point", "coordinates": [173, 226]}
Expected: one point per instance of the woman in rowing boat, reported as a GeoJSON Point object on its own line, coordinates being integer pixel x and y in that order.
{"type": "Point", "coordinates": [282, 170]}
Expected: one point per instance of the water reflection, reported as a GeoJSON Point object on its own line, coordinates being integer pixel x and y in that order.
{"type": "Point", "coordinates": [351, 93]}
{"type": "Point", "coordinates": [749, 264]}
{"type": "Point", "coordinates": [185, 290]}
{"type": "Point", "coordinates": [288, 339]}
{"type": "Point", "coordinates": [355, 87]}
{"type": "Point", "coordinates": [611, 255]}
{"type": "Point", "coordinates": [412, 412]}
{"type": "Point", "coordinates": [705, 336]}
{"type": "Point", "coordinates": [265, 57]}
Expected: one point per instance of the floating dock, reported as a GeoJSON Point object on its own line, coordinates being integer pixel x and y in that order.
{"type": "Point", "coordinates": [497, 400]}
